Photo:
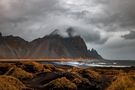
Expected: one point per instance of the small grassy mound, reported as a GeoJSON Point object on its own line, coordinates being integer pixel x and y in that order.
{"type": "Point", "coordinates": [60, 84]}
{"type": "Point", "coordinates": [75, 69]}
{"type": "Point", "coordinates": [10, 83]}
{"type": "Point", "coordinates": [86, 78]}
{"type": "Point", "coordinates": [132, 73]}
{"type": "Point", "coordinates": [47, 70]}
{"type": "Point", "coordinates": [32, 67]}
{"type": "Point", "coordinates": [123, 82]}
{"type": "Point", "coordinates": [94, 78]}
{"type": "Point", "coordinates": [19, 73]}
{"type": "Point", "coordinates": [59, 70]}
{"type": "Point", "coordinates": [81, 83]}
{"type": "Point", "coordinates": [77, 81]}
{"type": "Point", "coordinates": [4, 67]}
{"type": "Point", "coordinates": [91, 75]}
{"type": "Point", "coordinates": [49, 66]}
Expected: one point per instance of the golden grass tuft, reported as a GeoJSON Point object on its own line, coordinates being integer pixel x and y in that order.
{"type": "Point", "coordinates": [59, 70]}
{"type": "Point", "coordinates": [47, 70]}
{"type": "Point", "coordinates": [4, 67]}
{"type": "Point", "coordinates": [10, 83]}
{"type": "Point", "coordinates": [49, 66]}
{"type": "Point", "coordinates": [32, 67]}
{"type": "Point", "coordinates": [75, 69]}
{"type": "Point", "coordinates": [62, 84]}
{"type": "Point", "coordinates": [19, 73]}
{"type": "Point", "coordinates": [77, 81]}
{"type": "Point", "coordinates": [123, 82]}
{"type": "Point", "coordinates": [92, 75]}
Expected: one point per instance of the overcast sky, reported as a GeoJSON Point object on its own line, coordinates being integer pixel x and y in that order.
{"type": "Point", "coordinates": [106, 25]}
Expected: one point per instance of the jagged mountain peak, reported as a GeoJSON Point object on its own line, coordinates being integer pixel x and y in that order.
{"type": "Point", "coordinates": [94, 54]}
{"type": "Point", "coordinates": [50, 46]}
{"type": "Point", "coordinates": [93, 50]}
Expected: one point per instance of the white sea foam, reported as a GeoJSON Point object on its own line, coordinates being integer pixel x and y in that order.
{"type": "Point", "coordinates": [94, 63]}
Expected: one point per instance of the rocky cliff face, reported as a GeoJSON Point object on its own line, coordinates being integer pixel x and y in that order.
{"type": "Point", "coordinates": [50, 46]}
{"type": "Point", "coordinates": [13, 47]}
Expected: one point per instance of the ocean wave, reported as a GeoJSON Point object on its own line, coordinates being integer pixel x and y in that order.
{"type": "Point", "coordinates": [92, 64]}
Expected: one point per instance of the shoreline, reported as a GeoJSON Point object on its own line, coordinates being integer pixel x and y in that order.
{"type": "Point", "coordinates": [59, 59]}
{"type": "Point", "coordinates": [78, 63]}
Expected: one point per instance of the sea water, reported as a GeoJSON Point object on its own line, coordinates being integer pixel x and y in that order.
{"type": "Point", "coordinates": [97, 63]}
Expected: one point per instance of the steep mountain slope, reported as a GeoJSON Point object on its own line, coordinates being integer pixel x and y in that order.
{"type": "Point", "coordinates": [55, 46]}
{"type": "Point", "coordinates": [13, 47]}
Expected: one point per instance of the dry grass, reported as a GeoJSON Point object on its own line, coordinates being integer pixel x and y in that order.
{"type": "Point", "coordinates": [47, 70]}
{"type": "Point", "coordinates": [10, 83]}
{"type": "Point", "coordinates": [132, 73]}
{"type": "Point", "coordinates": [93, 75]}
{"type": "Point", "coordinates": [32, 67]}
{"type": "Point", "coordinates": [72, 78]}
{"type": "Point", "coordinates": [123, 82]}
{"type": "Point", "coordinates": [59, 70]}
{"type": "Point", "coordinates": [75, 69]}
{"type": "Point", "coordinates": [4, 67]}
{"type": "Point", "coordinates": [110, 72]}
{"type": "Point", "coordinates": [49, 66]}
{"type": "Point", "coordinates": [61, 84]}
{"type": "Point", "coordinates": [77, 81]}
{"type": "Point", "coordinates": [19, 73]}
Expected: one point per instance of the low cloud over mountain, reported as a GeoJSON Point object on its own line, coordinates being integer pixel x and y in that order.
{"type": "Point", "coordinates": [130, 35]}
{"type": "Point", "coordinates": [100, 22]}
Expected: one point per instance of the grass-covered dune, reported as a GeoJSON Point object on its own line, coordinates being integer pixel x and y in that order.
{"type": "Point", "coordinates": [36, 76]}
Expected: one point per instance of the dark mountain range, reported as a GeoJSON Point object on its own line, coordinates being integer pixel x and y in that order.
{"type": "Point", "coordinates": [52, 46]}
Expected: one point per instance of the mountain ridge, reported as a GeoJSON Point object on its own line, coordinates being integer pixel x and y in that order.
{"type": "Point", "coordinates": [52, 46]}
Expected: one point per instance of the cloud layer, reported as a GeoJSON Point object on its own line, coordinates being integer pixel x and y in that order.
{"type": "Point", "coordinates": [102, 23]}
{"type": "Point", "coordinates": [130, 35]}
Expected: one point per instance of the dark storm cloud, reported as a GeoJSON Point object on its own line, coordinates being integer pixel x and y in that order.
{"type": "Point", "coordinates": [123, 12]}
{"type": "Point", "coordinates": [119, 49]}
{"type": "Point", "coordinates": [112, 15]}
{"type": "Point", "coordinates": [20, 17]}
{"type": "Point", "coordinates": [89, 35]}
{"type": "Point", "coordinates": [108, 15]}
{"type": "Point", "coordinates": [130, 35]}
{"type": "Point", "coordinates": [93, 37]}
{"type": "Point", "coordinates": [23, 17]}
